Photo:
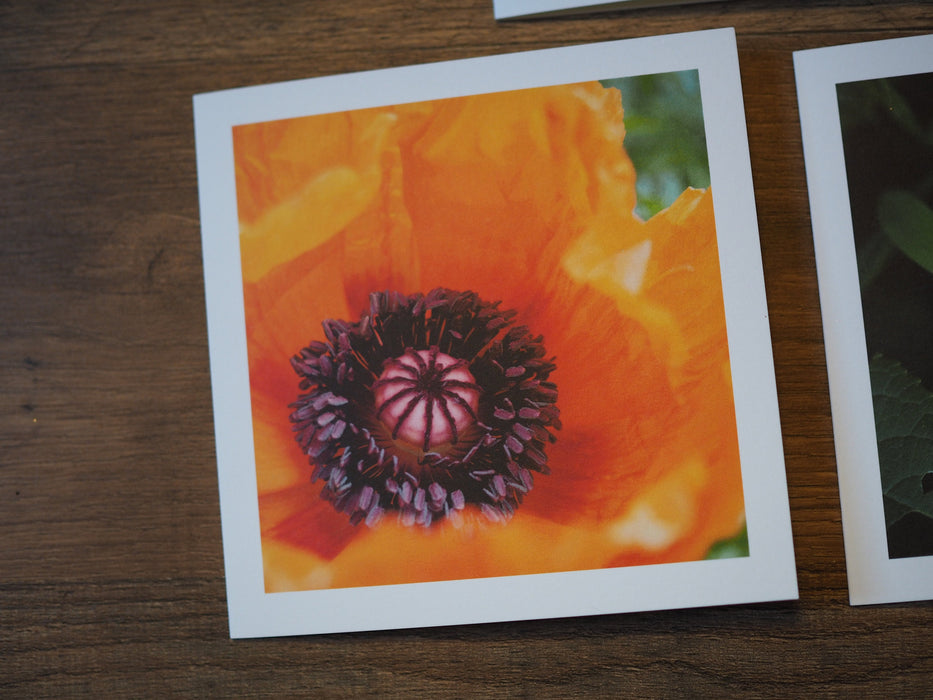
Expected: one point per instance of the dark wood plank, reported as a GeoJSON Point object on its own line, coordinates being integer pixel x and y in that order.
{"type": "Point", "coordinates": [112, 575]}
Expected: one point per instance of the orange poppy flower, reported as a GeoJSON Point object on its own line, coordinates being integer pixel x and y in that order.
{"type": "Point", "coordinates": [590, 423]}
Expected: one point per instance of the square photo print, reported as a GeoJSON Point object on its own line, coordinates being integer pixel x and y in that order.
{"type": "Point", "coordinates": [475, 339]}
{"type": "Point", "coordinates": [867, 112]}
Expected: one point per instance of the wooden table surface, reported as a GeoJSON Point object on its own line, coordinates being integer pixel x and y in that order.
{"type": "Point", "coordinates": [111, 570]}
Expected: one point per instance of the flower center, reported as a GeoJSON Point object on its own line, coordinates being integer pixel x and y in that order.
{"type": "Point", "coordinates": [429, 406]}
{"type": "Point", "coordinates": [426, 398]}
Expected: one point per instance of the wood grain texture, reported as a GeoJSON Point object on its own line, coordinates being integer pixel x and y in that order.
{"type": "Point", "coordinates": [111, 571]}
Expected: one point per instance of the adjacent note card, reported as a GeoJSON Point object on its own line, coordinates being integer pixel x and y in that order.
{"type": "Point", "coordinates": [866, 111]}
{"type": "Point", "coordinates": [489, 341]}
{"type": "Point", "coordinates": [510, 9]}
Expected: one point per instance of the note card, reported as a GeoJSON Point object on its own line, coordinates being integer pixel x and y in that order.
{"type": "Point", "coordinates": [489, 341]}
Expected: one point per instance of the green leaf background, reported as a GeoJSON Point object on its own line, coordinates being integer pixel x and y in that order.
{"type": "Point", "coordinates": [736, 546]}
{"type": "Point", "coordinates": [665, 136]}
{"type": "Point", "coordinates": [887, 133]}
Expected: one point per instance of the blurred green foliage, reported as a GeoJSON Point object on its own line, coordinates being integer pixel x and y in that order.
{"type": "Point", "coordinates": [665, 136]}
{"type": "Point", "coordinates": [907, 222]}
{"type": "Point", "coordinates": [736, 546]}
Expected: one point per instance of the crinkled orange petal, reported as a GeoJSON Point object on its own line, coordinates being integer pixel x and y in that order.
{"type": "Point", "coordinates": [302, 213]}
{"type": "Point", "coordinates": [615, 406]}
{"type": "Point", "coordinates": [498, 185]}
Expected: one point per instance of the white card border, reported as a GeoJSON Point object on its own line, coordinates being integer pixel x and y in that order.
{"type": "Point", "coordinates": [873, 578]}
{"type": "Point", "coordinates": [767, 574]}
